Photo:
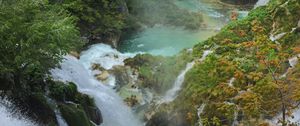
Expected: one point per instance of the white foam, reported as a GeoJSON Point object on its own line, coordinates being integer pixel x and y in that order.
{"type": "Point", "coordinates": [8, 119]}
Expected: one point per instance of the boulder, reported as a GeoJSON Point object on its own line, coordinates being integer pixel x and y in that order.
{"type": "Point", "coordinates": [75, 54]}
{"type": "Point", "coordinates": [240, 2]}
{"type": "Point", "coordinates": [122, 76]}
{"type": "Point", "coordinates": [131, 101]}
{"type": "Point", "coordinates": [90, 108]}
{"type": "Point", "coordinates": [103, 76]}
{"type": "Point", "coordinates": [94, 114]}
{"type": "Point", "coordinates": [96, 66]}
{"type": "Point", "coordinates": [74, 115]}
{"type": "Point", "coordinates": [168, 119]}
{"type": "Point", "coordinates": [69, 99]}
{"type": "Point", "coordinates": [40, 108]}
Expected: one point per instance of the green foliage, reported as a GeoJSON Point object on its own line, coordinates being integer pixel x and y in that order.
{"type": "Point", "coordinates": [62, 92]}
{"type": "Point", "coordinates": [39, 106]}
{"type": "Point", "coordinates": [158, 72]}
{"type": "Point", "coordinates": [243, 50]}
{"type": "Point", "coordinates": [34, 36]}
{"type": "Point", "coordinates": [67, 92]}
{"type": "Point", "coordinates": [151, 12]}
{"type": "Point", "coordinates": [96, 16]}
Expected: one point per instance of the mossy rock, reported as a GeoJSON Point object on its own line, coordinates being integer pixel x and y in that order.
{"type": "Point", "coordinates": [61, 91]}
{"type": "Point", "coordinates": [168, 119]}
{"type": "Point", "coordinates": [39, 107]}
{"type": "Point", "coordinates": [74, 115]}
{"type": "Point", "coordinates": [240, 2]}
{"type": "Point", "coordinates": [91, 110]}
{"type": "Point", "coordinates": [157, 72]}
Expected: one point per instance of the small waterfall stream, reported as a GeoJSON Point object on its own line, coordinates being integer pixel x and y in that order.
{"type": "Point", "coordinates": [199, 112]}
{"type": "Point", "coordinates": [261, 3]}
{"type": "Point", "coordinates": [172, 93]}
{"type": "Point", "coordinates": [235, 119]}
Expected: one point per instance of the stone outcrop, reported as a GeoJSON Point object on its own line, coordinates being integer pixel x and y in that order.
{"type": "Point", "coordinates": [240, 2]}
{"type": "Point", "coordinates": [76, 108]}
{"type": "Point", "coordinates": [102, 76]}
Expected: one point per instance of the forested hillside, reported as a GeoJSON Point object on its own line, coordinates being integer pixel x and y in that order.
{"type": "Point", "coordinates": [252, 76]}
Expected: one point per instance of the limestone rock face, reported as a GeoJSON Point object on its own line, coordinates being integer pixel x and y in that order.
{"type": "Point", "coordinates": [122, 76]}
{"type": "Point", "coordinates": [97, 67]}
{"type": "Point", "coordinates": [75, 106]}
{"type": "Point", "coordinates": [167, 119]}
{"type": "Point", "coordinates": [103, 76]}
{"type": "Point", "coordinates": [94, 114]}
{"type": "Point", "coordinates": [75, 54]}
{"type": "Point", "coordinates": [240, 2]}
{"type": "Point", "coordinates": [74, 115]}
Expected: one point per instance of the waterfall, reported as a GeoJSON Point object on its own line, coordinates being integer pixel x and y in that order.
{"type": "Point", "coordinates": [60, 120]}
{"type": "Point", "coordinates": [276, 37]}
{"type": "Point", "coordinates": [199, 112]}
{"type": "Point", "coordinates": [261, 3]}
{"type": "Point", "coordinates": [172, 93]}
{"type": "Point", "coordinates": [296, 115]}
{"type": "Point", "coordinates": [8, 119]}
{"type": "Point", "coordinates": [104, 55]}
{"type": "Point", "coordinates": [113, 109]}
{"type": "Point", "coordinates": [231, 82]}
{"type": "Point", "coordinates": [293, 61]}
{"type": "Point", "coordinates": [205, 54]}
{"type": "Point", "coordinates": [235, 119]}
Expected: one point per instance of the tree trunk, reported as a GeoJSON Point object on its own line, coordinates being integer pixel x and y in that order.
{"type": "Point", "coordinates": [283, 114]}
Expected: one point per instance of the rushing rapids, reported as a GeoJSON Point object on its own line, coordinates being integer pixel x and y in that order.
{"type": "Point", "coordinates": [114, 111]}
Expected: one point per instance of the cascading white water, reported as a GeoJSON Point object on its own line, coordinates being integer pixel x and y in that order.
{"type": "Point", "coordinates": [205, 54]}
{"type": "Point", "coordinates": [7, 119]}
{"type": "Point", "coordinates": [261, 3]}
{"type": "Point", "coordinates": [296, 115]}
{"type": "Point", "coordinates": [113, 109]}
{"type": "Point", "coordinates": [60, 120]}
{"type": "Point", "coordinates": [199, 112]}
{"type": "Point", "coordinates": [231, 82]}
{"type": "Point", "coordinates": [235, 119]}
{"type": "Point", "coordinates": [172, 93]}
{"type": "Point", "coordinates": [104, 55]}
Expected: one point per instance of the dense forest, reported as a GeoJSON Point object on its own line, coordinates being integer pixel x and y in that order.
{"type": "Point", "coordinates": [61, 59]}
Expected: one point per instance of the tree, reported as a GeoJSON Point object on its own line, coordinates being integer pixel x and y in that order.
{"type": "Point", "coordinates": [96, 17]}
{"type": "Point", "coordinates": [34, 36]}
{"type": "Point", "coordinates": [285, 85]}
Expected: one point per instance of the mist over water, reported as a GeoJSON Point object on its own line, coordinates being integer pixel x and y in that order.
{"type": "Point", "coordinates": [164, 40]}
{"type": "Point", "coordinates": [167, 40]}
